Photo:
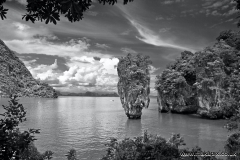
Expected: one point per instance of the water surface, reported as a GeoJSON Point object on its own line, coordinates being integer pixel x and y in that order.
{"type": "Point", "coordinates": [86, 123]}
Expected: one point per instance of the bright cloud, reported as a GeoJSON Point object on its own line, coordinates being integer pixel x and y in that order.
{"type": "Point", "coordinates": [150, 37]}
{"type": "Point", "coordinates": [43, 72]}
{"type": "Point", "coordinates": [97, 74]}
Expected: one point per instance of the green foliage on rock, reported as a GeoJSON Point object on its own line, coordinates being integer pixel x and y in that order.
{"type": "Point", "coordinates": [134, 84]}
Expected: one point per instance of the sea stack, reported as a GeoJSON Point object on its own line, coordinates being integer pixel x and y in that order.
{"type": "Point", "coordinates": [134, 84]}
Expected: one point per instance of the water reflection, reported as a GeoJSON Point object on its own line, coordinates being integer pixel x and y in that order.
{"type": "Point", "coordinates": [133, 127]}
{"type": "Point", "coordinates": [86, 123]}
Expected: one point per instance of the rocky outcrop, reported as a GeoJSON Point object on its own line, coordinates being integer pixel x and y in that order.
{"type": "Point", "coordinates": [174, 93]}
{"type": "Point", "coordinates": [133, 84]}
{"type": "Point", "coordinates": [211, 80]}
{"type": "Point", "coordinates": [206, 83]}
{"type": "Point", "coordinates": [15, 78]}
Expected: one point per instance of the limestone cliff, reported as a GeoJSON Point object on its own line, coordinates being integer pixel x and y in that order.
{"type": "Point", "coordinates": [15, 78]}
{"type": "Point", "coordinates": [206, 82]}
{"type": "Point", "coordinates": [134, 84]}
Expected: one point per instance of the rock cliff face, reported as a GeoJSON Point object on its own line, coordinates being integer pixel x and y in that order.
{"type": "Point", "coordinates": [174, 86]}
{"type": "Point", "coordinates": [206, 83]}
{"type": "Point", "coordinates": [211, 78]}
{"type": "Point", "coordinates": [16, 79]}
{"type": "Point", "coordinates": [133, 85]}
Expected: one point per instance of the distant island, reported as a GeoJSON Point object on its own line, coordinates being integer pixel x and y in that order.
{"type": "Point", "coordinates": [88, 94]}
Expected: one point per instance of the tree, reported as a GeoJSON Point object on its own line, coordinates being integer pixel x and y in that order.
{"type": "Point", "coordinates": [15, 144]}
{"type": "Point", "coordinates": [50, 10]}
{"type": "Point", "coordinates": [151, 147]}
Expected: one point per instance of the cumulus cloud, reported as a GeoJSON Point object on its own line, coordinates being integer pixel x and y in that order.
{"type": "Point", "coordinates": [99, 75]}
{"type": "Point", "coordinates": [46, 73]}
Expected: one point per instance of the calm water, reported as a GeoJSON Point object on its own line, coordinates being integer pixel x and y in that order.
{"type": "Point", "coordinates": [86, 123]}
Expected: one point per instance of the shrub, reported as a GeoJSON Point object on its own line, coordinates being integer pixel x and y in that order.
{"type": "Point", "coordinates": [148, 146]}
{"type": "Point", "coordinates": [15, 144]}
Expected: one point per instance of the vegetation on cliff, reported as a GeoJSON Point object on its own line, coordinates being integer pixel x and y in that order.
{"type": "Point", "coordinates": [16, 79]}
{"type": "Point", "coordinates": [206, 82]}
{"type": "Point", "coordinates": [134, 84]}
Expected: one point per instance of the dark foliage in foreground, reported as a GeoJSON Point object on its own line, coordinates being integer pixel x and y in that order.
{"type": "Point", "coordinates": [13, 142]}
{"type": "Point", "coordinates": [152, 147]}
{"type": "Point", "coordinates": [50, 10]}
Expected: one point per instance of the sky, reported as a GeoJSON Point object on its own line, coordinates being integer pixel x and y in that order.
{"type": "Point", "coordinates": [82, 56]}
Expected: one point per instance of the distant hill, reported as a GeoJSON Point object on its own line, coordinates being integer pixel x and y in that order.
{"type": "Point", "coordinates": [88, 94]}
{"type": "Point", "coordinates": [15, 78]}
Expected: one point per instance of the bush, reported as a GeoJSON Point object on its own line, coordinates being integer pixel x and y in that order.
{"type": "Point", "coordinates": [15, 144]}
{"type": "Point", "coordinates": [233, 145]}
{"type": "Point", "coordinates": [31, 153]}
{"type": "Point", "coordinates": [148, 146]}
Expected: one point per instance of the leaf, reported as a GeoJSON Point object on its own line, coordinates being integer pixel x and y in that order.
{"type": "Point", "coordinates": [53, 20]}
{"type": "Point", "coordinates": [46, 22]}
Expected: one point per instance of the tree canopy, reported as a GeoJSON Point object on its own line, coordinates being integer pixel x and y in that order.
{"type": "Point", "coordinates": [50, 10]}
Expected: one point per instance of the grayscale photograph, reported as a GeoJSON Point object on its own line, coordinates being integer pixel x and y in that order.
{"type": "Point", "coordinates": [119, 80]}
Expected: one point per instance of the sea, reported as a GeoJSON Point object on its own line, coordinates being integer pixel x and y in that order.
{"type": "Point", "coordinates": [87, 123]}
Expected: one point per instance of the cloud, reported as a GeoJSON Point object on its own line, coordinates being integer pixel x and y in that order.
{"type": "Point", "coordinates": [153, 69]}
{"type": "Point", "coordinates": [125, 33]}
{"type": "Point", "coordinates": [230, 12]}
{"type": "Point", "coordinates": [21, 31]}
{"type": "Point", "coordinates": [164, 30]}
{"type": "Point", "coordinates": [23, 2]}
{"type": "Point", "coordinates": [83, 59]}
{"type": "Point", "coordinates": [98, 74]}
{"type": "Point", "coordinates": [215, 8]}
{"type": "Point", "coordinates": [167, 2]}
{"type": "Point", "coordinates": [91, 13]}
{"type": "Point", "coordinates": [128, 50]}
{"type": "Point", "coordinates": [216, 13]}
{"type": "Point", "coordinates": [42, 46]}
{"type": "Point", "coordinates": [150, 37]}
{"type": "Point", "coordinates": [159, 18]}
{"type": "Point", "coordinates": [46, 73]}
{"type": "Point", "coordinates": [103, 46]}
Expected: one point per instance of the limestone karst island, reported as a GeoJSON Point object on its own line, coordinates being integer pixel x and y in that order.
{"type": "Point", "coordinates": [119, 80]}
